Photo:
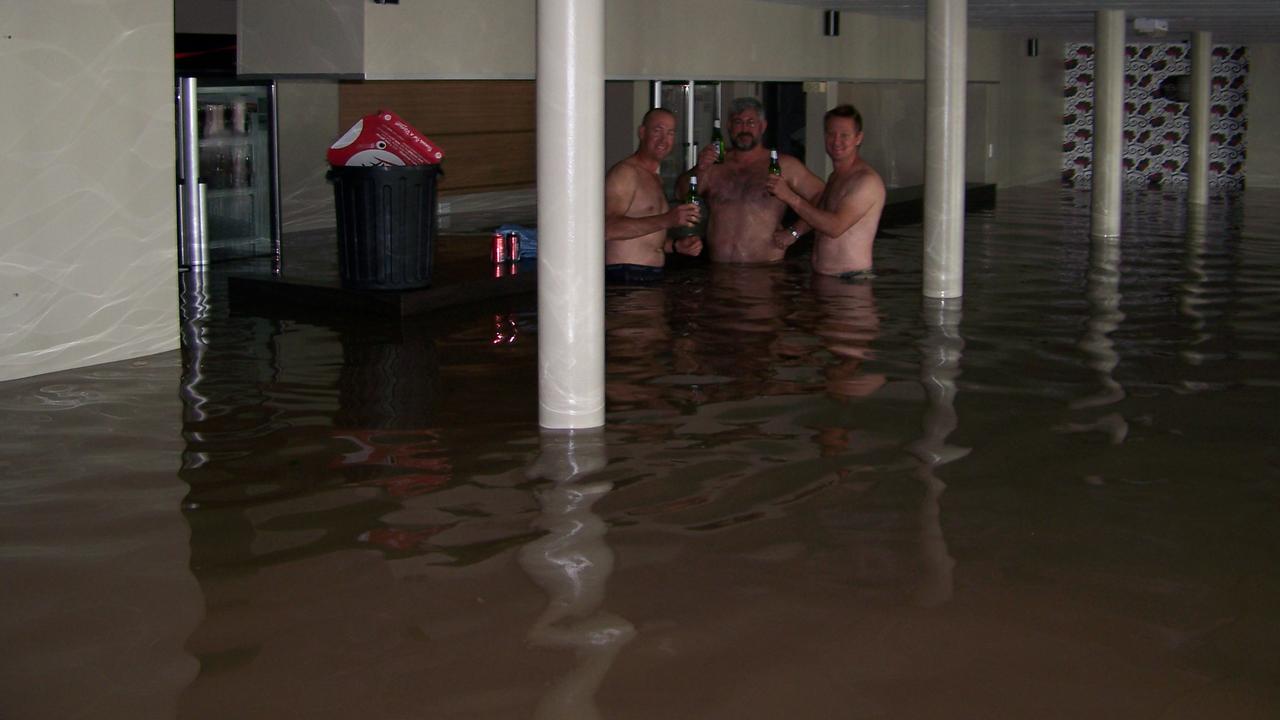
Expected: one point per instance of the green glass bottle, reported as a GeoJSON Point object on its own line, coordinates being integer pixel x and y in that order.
{"type": "Point", "coordinates": [717, 139]}
{"type": "Point", "coordinates": [774, 167]}
{"type": "Point", "coordinates": [693, 198]}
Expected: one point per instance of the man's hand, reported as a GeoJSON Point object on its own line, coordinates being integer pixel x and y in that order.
{"type": "Point", "coordinates": [706, 158]}
{"type": "Point", "coordinates": [683, 214]}
{"type": "Point", "coordinates": [691, 245]}
{"type": "Point", "coordinates": [778, 187]}
{"type": "Point", "coordinates": [783, 239]}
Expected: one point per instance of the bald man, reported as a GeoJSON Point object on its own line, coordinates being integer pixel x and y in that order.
{"type": "Point", "coordinates": [637, 218]}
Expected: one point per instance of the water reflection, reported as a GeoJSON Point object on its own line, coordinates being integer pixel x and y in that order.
{"type": "Point", "coordinates": [1103, 293]}
{"type": "Point", "coordinates": [1193, 295]}
{"type": "Point", "coordinates": [381, 578]}
{"type": "Point", "coordinates": [848, 324]}
{"type": "Point", "coordinates": [572, 564]}
{"type": "Point", "coordinates": [193, 309]}
{"type": "Point", "coordinates": [729, 334]}
{"type": "Point", "coordinates": [387, 398]}
{"type": "Point", "coordinates": [638, 339]}
{"type": "Point", "coordinates": [1105, 316]}
{"type": "Point", "coordinates": [98, 598]}
{"type": "Point", "coordinates": [940, 351]}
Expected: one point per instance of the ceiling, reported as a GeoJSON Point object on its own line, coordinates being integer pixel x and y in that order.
{"type": "Point", "coordinates": [1230, 21]}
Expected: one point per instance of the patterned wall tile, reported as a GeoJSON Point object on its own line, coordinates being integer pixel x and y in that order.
{"type": "Point", "coordinates": [1155, 128]}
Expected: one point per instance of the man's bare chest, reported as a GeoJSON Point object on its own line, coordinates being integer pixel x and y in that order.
{"type": "Point", "coordinates": [649, 198]}
{"type": "Point", "coordinates": [740, 185]}
{"type": "Point", "coordinates": [835, 192]}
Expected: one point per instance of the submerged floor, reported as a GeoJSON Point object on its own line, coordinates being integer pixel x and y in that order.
{"type": "Point", "coordinates": [1057, 499]}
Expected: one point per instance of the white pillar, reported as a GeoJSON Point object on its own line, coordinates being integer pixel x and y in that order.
{"type": "Point", "coordinates": [570, 213]}
{"type": "Point", "coordinates": [1108, 124]}
{"type": "Point", "coordinates": [1201, 72]}
{"type": "Point", "coordinates": [946, 74]}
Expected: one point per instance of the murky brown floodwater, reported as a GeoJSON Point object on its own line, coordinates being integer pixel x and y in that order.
{"type": "Point", "coordinates": [812, 499]}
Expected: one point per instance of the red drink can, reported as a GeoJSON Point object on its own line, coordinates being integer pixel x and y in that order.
{"type": "Point", "coordinates": [513, 246]}
{"type": "Point", "coordinates": [498, 248]}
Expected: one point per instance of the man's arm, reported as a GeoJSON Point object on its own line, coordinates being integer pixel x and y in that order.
{"type": "Point", "coordinates": [850, 208]}
{"type": "Point", "coordinates": [706, 158]}
{"type": "Point", "coordinates": [804, 183]}
{"type": "Point", "coordinates": [619, 192]}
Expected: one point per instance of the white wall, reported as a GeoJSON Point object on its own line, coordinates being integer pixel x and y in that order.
{"type": "Point", "coordinates": [301, 37]}
{"type": "Point", "coordinates": [1029, 140]}
{"type": "Point", "coordinates": [712, 40]}
{"type": "Point", "coordinates": [658, 39]}
{"type": "Point", "coordinates": [619, 126]}
{"type": "Point", "coordinates": [980, 132]}
{"type": "Point", "coordinates": [88, 263]}
{"type": "Point", "coordinates": [450, 39]}
{"type": "Point", "coordinates": [893, 128]}
{"type": "Point", "coordinates": [308, 116]}
{"type": "Point", "coordinates": [645, 39]}
{"type": "Point", "coordinates": [1262, 149]}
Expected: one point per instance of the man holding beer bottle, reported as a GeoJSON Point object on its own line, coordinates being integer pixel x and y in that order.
{"type": "Point", "coordinates": [845, 217]}
{"type": "Point", "coordinates": [636, 215]}
{"type": "Point", "coordinates": [744, 216]}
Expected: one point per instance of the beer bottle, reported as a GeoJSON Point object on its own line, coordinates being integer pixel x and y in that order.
{"type": "Point", "coordinates": [694, 198]}
{"type": "Point", "coordinates": [717, 138]}
{"type": "Point", "coordinates": [774, 167]}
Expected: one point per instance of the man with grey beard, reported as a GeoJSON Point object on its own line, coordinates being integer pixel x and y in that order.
{"type": "Point", "coordinates": [744, 216]}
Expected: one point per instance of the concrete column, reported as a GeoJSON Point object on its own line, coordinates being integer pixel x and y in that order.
{"type": "Point", "coordinates": [946, 73]}
{"type": "Point", "coordinates": [1201, 72]}
{"type": "Point", "coordinates": [819, 97]}
{"type": "Point", "coordinates": [570, 120]}
{"type": "Point", "coordinates": [1108, 123]}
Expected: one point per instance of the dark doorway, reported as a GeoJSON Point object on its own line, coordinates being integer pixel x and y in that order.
{"type": "Point", "coordinates": [785, 106]}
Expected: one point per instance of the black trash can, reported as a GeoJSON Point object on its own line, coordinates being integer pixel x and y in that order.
{"type": "Point", "coordinates": [386, 225]}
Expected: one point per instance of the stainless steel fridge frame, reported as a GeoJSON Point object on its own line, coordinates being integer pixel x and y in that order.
{"type": "Point", "coordinates": [193, 228]}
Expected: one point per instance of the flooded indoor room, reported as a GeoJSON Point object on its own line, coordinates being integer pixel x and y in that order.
{"type": "Point", "coordinates": [638, 359]}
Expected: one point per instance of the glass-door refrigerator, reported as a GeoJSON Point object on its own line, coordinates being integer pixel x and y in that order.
{"type": "Point", "coordinates": [696, 106]}
{"type": "Point", "coordinates": [227, 144]}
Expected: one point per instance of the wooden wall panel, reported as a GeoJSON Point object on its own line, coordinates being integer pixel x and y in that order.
{"type": "Point", "coordinates": [445, 106]}
{"type": "Point", "coordinates": [486, 127]}
{"type": "Point", "coordinates": [488, 160]}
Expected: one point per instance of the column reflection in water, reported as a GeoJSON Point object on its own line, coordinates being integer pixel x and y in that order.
{"type": "Point", "coordinates": [572, 563]}
{"type": "Point", "coordinates": [940, 353]}
{"type": "Point", "coordinates": [193, 309]}
{"type": "Point", "coordinates": [1193, 293]}
{"type": "Point", "coordinates": [1103, 293]}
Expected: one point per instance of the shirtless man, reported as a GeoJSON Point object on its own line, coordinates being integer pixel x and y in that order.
{"type": "Point", "coordinates": [845, 217]}
{"type": "Point", "coordinates": [744, 217]}
{"type": "Point", "coordinates": [636, 215]}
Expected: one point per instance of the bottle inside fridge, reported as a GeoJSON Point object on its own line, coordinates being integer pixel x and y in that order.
{"type": "Point", "coordinates": [233, 128]}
